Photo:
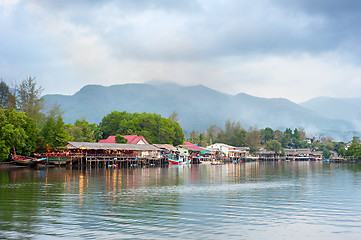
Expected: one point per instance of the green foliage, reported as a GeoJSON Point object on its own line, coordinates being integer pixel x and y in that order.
{"type": "Point", "coordinates": [83, 131]}
{"type": "Point", "coordinates": [253, 139]}
{"type": "Point", "coordinates": [274, 145]}
{"type": "Point", "coordinates": [18, 131]}
{"type": "Point", "coordinates": [53, 133]}
{"type": "Point", "coordinates": [326, 153]}
{"type": "Point", "coordinates": [4, 94]}
{"type": "Point", "coordinates": [353, 150]}
{"type": "Point", "coordinates": [7, 98]}
{"type": "Point", "coordinates": [233, 134]}
{"type": "Point", "coordinates": [267, 134]}
{"type": "Point", "coordinates": [291, 139]}
{"type": "Point", "coordinates": [153, 127]}
{"type": "Point", "coordinates": [120, 139]}
{"type": "Point", "coordinates": [174, 117]}
{"type": "Point", "coordinates": [30, 100]}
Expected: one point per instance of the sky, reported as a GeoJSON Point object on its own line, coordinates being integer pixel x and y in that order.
{"type": "Point", "coordinates": [296, 49]}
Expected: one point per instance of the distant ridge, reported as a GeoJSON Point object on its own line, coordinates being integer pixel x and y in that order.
{"type": "Point", "coordinates": [198, 107]}
{"type": "Point", "coordinates": [347, 109]}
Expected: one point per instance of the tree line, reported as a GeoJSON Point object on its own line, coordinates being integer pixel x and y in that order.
{"type": "Point", "coordinates": [274, 140]}
{"type": "Point", "coordinates": [29, 125]}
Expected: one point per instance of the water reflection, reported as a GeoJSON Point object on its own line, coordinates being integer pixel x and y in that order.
{"type": "Point", "coordinates": [242, 201]}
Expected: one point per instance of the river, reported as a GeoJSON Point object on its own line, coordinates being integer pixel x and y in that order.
{"type": "Point", "coordinates": [273, 200]}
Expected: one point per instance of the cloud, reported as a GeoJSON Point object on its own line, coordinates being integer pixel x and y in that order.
{"type": "Point", "coordinates": [264, 47]}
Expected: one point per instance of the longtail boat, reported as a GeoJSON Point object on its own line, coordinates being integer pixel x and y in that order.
{"type": "Point", "coordinates": [27, 161]}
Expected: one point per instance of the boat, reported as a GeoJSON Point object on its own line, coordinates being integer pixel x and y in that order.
{"type": "Point", "coordinates": [27, 161]}
{"type": "Point", "coordinates": [178, 159]}
{"type": "Point", "coordinates": [216, 163]}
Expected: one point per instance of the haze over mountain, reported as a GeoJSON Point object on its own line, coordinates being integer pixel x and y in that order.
{"type": "Point", "coordinates": [198, 107]}
{"type": "Point", "coordinates": [348, 109]}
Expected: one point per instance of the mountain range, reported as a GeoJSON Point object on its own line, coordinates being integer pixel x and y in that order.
{"type": "Point", "coordinates": [198, 107]}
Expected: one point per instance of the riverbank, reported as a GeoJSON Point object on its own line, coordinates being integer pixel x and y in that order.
{"type": "Point", "coordinates": [10, 165]}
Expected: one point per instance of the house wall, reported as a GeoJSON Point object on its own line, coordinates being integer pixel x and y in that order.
{"type": "Point", "coordinates": [183, 151]}
{"type": "Point", "coordinates": [141, 141]}
{"type": "Point", "coordinates": [221, 147]}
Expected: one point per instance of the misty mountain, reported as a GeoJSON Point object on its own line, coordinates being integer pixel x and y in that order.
{"type": "Point", "coordinates": [198, 107]}
{"type": "Point", "coordinates": [348, 109]}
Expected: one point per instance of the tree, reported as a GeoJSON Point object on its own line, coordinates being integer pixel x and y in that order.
{"type": "Point", "coordinates": [4, 94]}
{"type": "Point", "coordinates": [83, 131]}
{"type": "Point", "coordinates": [253, 139]}
{"type": "Point", "coordinates": [53, 133]}
{"type": "Point", "coordinates": [211, 134]}
{"type": "Point", "coordinates": [174, 117]}
{"type": "Point", "coordinates": [326, 153]}
{"type": "Point", "coordinates": [296, 134]}
{"type": "Point", "coordinates": [233, 134]}
{"type": "Point", "coordinates": [30, 100]}
{"type": "Point", "coordinates": [193, 137]}
{"type": "Point", "coordinates": [17, 131]}
{"type": "Point", "coordinates": [302, 134]}
{"type": "Point", "coordinates": [278, 135]}
{"type": "Point", "coordinates": [153, 127]}
{"type": "Point", "coordinates": [120, 139]}
{"type": "Point", "coordinates": [267, 134]}
{"type": "Point", "coordinates": [274, 145]}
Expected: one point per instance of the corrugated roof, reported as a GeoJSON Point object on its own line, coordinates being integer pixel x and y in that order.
{"type": "Point", "coordinates": [192, 147]}
{"type": "Point", "coordinates": [168, 147]}
{"type": "Point", "coordinates": [111, 146]}
{"type": "Point", "coordinates": [298, 151]}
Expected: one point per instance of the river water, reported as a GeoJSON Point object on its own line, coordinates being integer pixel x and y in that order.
{"type": "Point", "coordinates": [277, 200]}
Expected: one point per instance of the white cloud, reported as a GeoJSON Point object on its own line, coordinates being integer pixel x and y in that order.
{"type": "Point", "coordinates": [264, 48]}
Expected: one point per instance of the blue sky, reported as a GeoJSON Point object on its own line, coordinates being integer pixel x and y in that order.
{"type": "Point", "coordinates": [268, 48]}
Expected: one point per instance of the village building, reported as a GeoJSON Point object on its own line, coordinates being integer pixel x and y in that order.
{"type": "Point", "coordinates": [302, 154]}
{"type": "Point", "coordinates": [317, 155]}
{"type": "Point", "coordinates": [131, 139]}
{"type": "Point", "coordinates": [243, 151]}
{"type": "Point", "coordinates": [190, 149]}
{"type": "Point", "coordinates": [266, 155]}
{"type": "Point", "coordinates": [197, 153]}
{"type": "Point", "coordinates": [115, 152]}
{"type": "Point", "coordinates": [166, 148]}
{"type": "Point", "coordinates": [224, 150]}
{"type": "Point", "coordinates": [90, 148]}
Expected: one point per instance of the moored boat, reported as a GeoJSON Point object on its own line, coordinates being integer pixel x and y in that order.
{"type": "Point", "coordinates": [178, 159]}
{"type": "Point", "coordinates": [27, 161]}
{"type": "Point", "coordinates": [216, 163]}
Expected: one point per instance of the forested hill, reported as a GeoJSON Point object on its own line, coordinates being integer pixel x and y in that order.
{"type": "Point", "coordinates": [198, 107]}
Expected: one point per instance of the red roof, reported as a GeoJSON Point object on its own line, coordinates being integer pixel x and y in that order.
{"type": "Point", "coordinates": [110, 139]}
{"type": "Point", "coordinates": [132, 139]}
{"type": "Point", "coordinates": [192, 146]}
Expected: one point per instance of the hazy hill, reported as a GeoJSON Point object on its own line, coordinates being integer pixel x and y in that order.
{"type": "Point", "coordinates": [198, 107]}
{"type": "Point", "coordinates": [348, 109]}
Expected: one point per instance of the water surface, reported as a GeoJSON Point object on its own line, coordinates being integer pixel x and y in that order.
{"type": "Point", "coordinates": [278, 200]}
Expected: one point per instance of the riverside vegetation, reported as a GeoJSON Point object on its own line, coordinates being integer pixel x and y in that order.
{"type": "Point", "coordinates": [30, 126]}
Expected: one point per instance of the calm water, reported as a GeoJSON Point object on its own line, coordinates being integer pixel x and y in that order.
{"type": "Point", "coordinates": [286, 200]}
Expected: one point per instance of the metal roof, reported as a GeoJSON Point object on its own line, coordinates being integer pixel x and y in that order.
{"type": "Point", "coordinates": [111, 146]}
{"type": "Point", "coordinates": [168, 147]}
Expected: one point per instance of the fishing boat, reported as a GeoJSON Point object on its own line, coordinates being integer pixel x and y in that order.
{"type": "Point", "coordinates": [216, 163]}
{"type": "Point", "coordinates": [27, 161]}
{"type": "Point", "coordinates": [179, 159]}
